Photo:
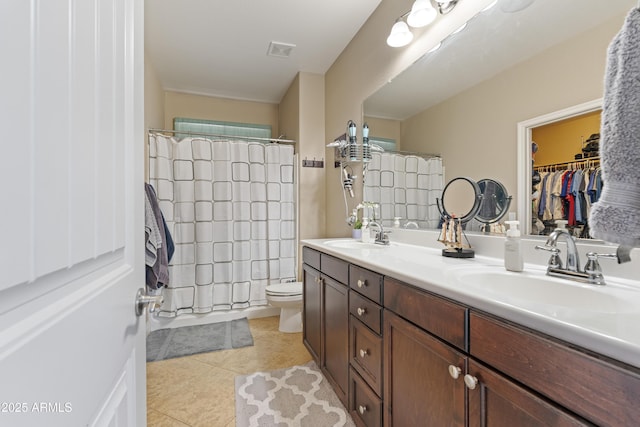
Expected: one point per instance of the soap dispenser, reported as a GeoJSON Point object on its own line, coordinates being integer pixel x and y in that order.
{"type": "Point", "coordinates": [513, 248]}
{"type": "Point", "coordinates": [366, 231]}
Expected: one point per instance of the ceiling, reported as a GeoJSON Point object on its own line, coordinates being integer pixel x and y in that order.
{"type": "Point", "coordinates": [219, 47]}
{"type": "Point", "coordinates": [492, 41]}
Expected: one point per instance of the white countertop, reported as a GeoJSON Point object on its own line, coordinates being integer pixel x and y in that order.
{"type": "Point", "coordinates": [606, 331]}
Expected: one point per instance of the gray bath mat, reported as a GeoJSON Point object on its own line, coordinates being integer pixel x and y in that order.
{"type": "Point", "coordinates": [177, 342]}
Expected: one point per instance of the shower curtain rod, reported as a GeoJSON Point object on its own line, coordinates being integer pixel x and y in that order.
{"type": "Point", "coordinates": [413, 153]}
{"type": "Point", "coordinates": [255, 138]}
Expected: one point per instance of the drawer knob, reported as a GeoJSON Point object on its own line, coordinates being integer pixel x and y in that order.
{"type": "Point", "coordinates": [363, 353]}
{"type": "Point", "coordinates": [470, 381]}
{"type": "Point", "coordinates": [362, 409]}
{"type": "Point", "coordinates": [454, 371]}
{"type": "Point", "coordinates": [361, 311]}
{"type": "Point", "coordinates": [362, 283]}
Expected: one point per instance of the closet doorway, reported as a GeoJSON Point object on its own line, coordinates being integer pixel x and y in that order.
{"type": "Point", "coordinates": [559, 168]}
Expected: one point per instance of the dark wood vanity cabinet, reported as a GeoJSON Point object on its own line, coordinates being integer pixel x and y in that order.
{"type": "Point", "coordinates": [326, 317]}
{"type": "Point", "coordinates": [312, 321]}
{"type": "Point", "coordinates": [602, 391]}
{"type": "Point", "coordinates": [418, 389]}
{"type": "Point", "coordinates": [419, 330]}
{"type": "Point", "coordinates": [415, 358]}
{"type": "Point", "coordinates": [365, 346]}
{"type": "Point", "coordinates": [496, 401]}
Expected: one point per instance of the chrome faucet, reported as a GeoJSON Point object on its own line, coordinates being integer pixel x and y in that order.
{"type": "Point", "coordinates": [572, 259]}
{"type": "Point", "coordinates": [592, 272]}
{"type": "Point", "coordinates": [382, 237]}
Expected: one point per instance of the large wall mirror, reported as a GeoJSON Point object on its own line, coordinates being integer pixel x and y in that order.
{"type": "Point", "coordinates": [464, 101]}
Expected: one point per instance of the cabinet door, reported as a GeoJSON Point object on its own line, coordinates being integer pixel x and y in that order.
{"type": "Point", "coordinates": [418, 388]}
{"type": "Point", "coordinates": [335, 360]}
{"type": "Point", "coordinates": [311, 330]}
{"type": "Point", "coordinates": [495, 401]}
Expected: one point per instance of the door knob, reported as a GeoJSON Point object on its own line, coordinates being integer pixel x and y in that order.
{"type": "Point", "coordinates": [142, 300]}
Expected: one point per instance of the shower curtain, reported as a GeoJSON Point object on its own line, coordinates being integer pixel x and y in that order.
{"type": "Point", "coordinates": [405, 186]}
{"type": "Point", "coordinates": [230, 206]}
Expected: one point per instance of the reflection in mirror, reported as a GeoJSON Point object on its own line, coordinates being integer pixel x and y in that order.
{"type": "Point", "coordinates": [494, 205]}
{"type": "Point", "coordinates": [563, 183]}
{"type": "Point", "coordinates": [461, 198]}
{"type": "Point", "coordinates": [464, 101]}
{"type": "Point", "coordinates": [405, 186]}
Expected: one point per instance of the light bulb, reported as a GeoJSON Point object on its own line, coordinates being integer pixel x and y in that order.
{"type": "Point", "coordinates": [422, 14]}
{"type": "Point", "coordinates": [400, 34]}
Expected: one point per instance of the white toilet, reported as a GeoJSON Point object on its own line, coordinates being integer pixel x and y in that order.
{"type": "Point", "coordinates": [287, 296]}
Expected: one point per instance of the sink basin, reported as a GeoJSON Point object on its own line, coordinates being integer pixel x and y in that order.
{"type": "Point", "coordinates": [552, 295]}
{"type": "Point", "coordinates": [353, 244]}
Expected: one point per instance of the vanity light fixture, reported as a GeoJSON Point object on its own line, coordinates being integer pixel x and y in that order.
{"type": "Point", "coordinates": [446, 6]}
{"type": "Point", "coordinates": [400, 34]}
{"type": "Point", "coordinates": [422, 13]}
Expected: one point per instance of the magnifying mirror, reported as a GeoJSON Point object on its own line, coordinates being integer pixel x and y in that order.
{"type": "Point", "coordinates": [494, 204]}
{"type": "Point", "coordinates": [460, 202]}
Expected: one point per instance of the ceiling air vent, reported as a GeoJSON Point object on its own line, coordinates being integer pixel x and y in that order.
{"type": "Point", "coordinates": [282, 50]}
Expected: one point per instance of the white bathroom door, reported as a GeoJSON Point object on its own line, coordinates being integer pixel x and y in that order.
{"type": "Point", "coordinates": [72, 349]}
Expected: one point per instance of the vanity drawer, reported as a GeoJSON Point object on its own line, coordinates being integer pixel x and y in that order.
{"type": "Point", "coordinates": [334, 267]}
{"type": "Point", "coordinates": [366, 311]}
{"type": "Point", "coordinates": [366, 282]}
{"type": "Point", "coordinates": [365, 354]}
{"type": "Point", "coordinates": [311, 257]}
{"type": "Point", "coordinates": [437, 315]}
{"type": "Point", "coordinates": [596, 389]}
{"type": "Point", "coordinates": [365, 407]}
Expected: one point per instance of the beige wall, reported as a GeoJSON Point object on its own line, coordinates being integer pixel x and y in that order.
{"type": "Point", "coordinates": [153, 97]}
{"type": "Point", "coordinates": [302, 119]}
{"type": "Point", "coordinates": [153, 106]}
{"type": "Point", "coordinates": [385, 128]}
{"type": "Point", "coordinates": [178, 104]}
{"type": "Point", "coordinates": [363, 67]}
{"type": "Point", "coordinates": [475, 131]}
{"type": "Point", "coordinates": [559, 142]}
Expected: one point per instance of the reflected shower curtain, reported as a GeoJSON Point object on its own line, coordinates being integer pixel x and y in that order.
{"type": "Point", "coordinates": [405, 186]}
{"type": "Point", "coordinates": [230, 206]}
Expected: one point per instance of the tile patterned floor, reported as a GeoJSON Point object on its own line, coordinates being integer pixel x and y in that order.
{"type": "Point", "coordinates": [199, 391]}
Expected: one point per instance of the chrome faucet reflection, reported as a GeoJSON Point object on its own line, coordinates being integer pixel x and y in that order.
{"type": "Point", "coordinates": [592, 272]}
{"type": "Point", "coordinates": [382, 237]}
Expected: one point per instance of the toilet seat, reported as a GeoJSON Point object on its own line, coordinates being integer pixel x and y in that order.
{"type": "Point", "coordinates": [290, 289]}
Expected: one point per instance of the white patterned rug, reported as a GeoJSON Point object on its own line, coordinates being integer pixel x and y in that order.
{"type": "Point", "coordinates": [296, 396]}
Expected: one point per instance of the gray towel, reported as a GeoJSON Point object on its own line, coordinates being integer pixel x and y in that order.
{"type": "Point", "coordinates": [615, 217]}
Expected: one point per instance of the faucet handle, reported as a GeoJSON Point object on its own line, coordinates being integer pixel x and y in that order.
{"type": "Point", "coordinates": [592, 267]}
{"type": "Point", "coordinates": [554, 260]}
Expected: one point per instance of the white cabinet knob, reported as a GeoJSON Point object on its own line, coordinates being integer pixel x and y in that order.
{"type": "Point", "coordinates": [362, 283]}
{"type": "Point", "coordinates": [362, 409]}
{"type": "Point", "coordinates": [361, 311]}
{"type": "Point", "coordinates": [363, 353]}
{"type": "Point", "coordinates": [470, 381]}
{"type": "Point", "coordinates": [454, 371]}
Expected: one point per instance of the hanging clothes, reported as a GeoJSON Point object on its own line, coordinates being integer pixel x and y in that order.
{"type": "Point", "coordinates": [159, 245]}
